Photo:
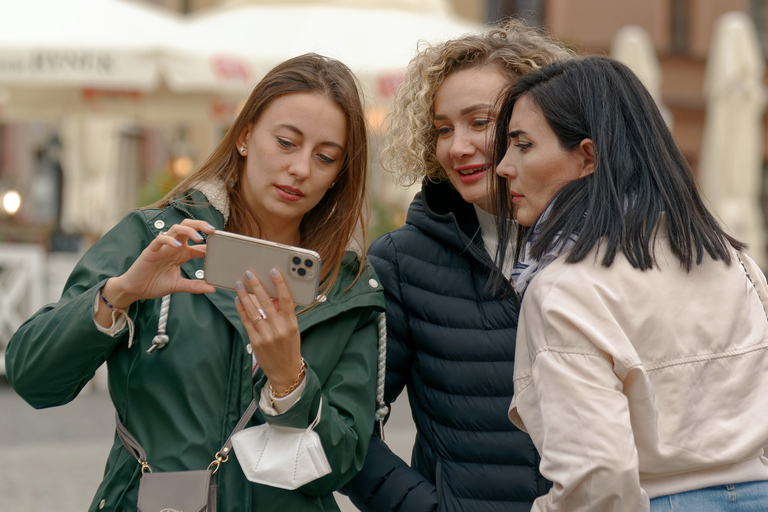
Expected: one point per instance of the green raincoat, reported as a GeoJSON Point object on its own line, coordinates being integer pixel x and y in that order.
{"type": "Point", "coordinates": [182, 402]}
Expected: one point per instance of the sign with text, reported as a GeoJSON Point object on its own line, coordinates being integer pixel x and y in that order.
{"type": "Point", "coordinates": [77, 68]}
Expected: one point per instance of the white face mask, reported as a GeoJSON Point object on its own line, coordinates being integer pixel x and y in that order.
{"type": "Point", "coordinates": [283, 457]}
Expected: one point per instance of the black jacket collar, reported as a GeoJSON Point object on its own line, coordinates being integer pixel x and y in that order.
{"type": "Point", "coordinates": [440, 211]}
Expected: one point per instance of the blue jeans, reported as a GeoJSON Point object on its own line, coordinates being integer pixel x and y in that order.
{"type": "Point", "coordinates": [743, 497]}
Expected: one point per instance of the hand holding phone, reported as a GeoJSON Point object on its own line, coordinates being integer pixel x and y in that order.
{"type": "Point", "coordinates": [229, 255]}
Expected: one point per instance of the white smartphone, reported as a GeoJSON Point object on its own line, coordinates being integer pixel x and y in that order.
{"type": "Point", "coordinates": [229, 255]}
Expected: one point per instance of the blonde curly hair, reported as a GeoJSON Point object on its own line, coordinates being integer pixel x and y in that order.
{"type": "Point", "coordinates": [408, 149]}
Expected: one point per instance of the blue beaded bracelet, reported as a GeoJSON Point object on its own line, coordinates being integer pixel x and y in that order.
{"type": "Point", "coordinates": [110, 306]}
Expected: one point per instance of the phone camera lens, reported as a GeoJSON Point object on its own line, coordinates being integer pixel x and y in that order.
{"type": "Point", "coordinates": [296, 260]}
{"type": "Point", "coordinates": [301, 272]}
{"type": "Point", "coordinates": [307, 263]}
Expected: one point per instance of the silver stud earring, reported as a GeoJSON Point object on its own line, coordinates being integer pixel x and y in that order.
{"type": "Point", "coordinates": [242, 149]}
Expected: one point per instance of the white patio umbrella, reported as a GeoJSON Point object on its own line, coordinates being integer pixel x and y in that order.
{"type": "Point", "coordinates": [731, 164]}
{"type": "Point", "coordinates": [96, 69]}
{"type": "Point", "coordinates": [109, 57]}
{"type": "Point", "coordinates": [240, 41]}
{"type": "Point", "coordinates": [100, 44]}
{"type": "Point", "coordinates": [633, 46]}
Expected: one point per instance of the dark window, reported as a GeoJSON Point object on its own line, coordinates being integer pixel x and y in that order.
{"type": "Point", "coordinates": [679, 39]}
{"type": "Point", "coordinates": [2, 149]}
{"type": "Point", "coordinates": [531, 11]}
{"type": "Point", "coordinates": [757, 10]}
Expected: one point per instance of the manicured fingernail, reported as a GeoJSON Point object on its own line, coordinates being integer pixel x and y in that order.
{"type": "Point", "coordinates": [239, 285]}
{"type": "Point", "coordinates": [177, 243]}
{"type": "Point", "coordinates": [198, 237]}
{"type": "Point", "coordinates": [274, 272]}
{"type": "Point", "coordinates": [249, 274]}
{"type": "Point", "coordinates": [211, 227]}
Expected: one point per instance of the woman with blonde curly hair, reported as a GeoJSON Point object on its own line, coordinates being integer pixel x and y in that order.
{"type": "Point", "coordinates": [450, 336]}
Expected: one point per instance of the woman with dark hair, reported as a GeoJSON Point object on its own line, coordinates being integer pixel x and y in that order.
{"type": "Point", "coordinates": [186, 359]}
{"type": "Point", "coordinates": [643, 340]}
{"type": "Point", "coordinates": [451, 339]}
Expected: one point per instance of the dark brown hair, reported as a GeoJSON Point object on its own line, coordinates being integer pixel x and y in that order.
{"type": "Point", "coordinates": [641, 177]}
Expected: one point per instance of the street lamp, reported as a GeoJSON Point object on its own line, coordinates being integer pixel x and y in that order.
{"type": "Point", "coordinates": [11, 202]}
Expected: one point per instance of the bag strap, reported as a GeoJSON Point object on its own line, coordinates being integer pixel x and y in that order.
{"type": "Point", "coordinates": [134, 448]}
{"type": "Point", "coordinates": [223, 454]}
{"type": "Point", "coordinates": [132, 445]}
{"type": "Point", "coordinates": [753, 283]}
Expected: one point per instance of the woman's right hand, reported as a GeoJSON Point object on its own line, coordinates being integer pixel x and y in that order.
{"type": "Point", "coordinates": [157, 270]}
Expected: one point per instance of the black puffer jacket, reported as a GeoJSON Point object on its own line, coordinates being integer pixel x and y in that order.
{"type": "Point", "coordinates": [452, 344]}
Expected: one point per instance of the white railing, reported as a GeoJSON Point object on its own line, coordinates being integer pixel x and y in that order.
{"type": "Point", "coordinates": [29, 279]}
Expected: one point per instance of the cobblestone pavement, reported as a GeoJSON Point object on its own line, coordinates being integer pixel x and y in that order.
{"type": "Point", "coordinates": [54, 459]}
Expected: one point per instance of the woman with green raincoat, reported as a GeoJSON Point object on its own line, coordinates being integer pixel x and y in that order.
{"type": "Point", "coordinates": [291, 169]}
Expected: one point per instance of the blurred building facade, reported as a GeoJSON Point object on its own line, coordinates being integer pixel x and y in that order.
{"type": "Point", "coordinates": [681, 31]}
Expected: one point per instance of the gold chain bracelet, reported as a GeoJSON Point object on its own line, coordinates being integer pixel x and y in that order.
{"type": "Point", "coordinates": [299, 378]}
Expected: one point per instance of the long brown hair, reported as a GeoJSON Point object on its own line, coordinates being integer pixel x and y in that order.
{"type": "Point", "coordinates": [330, 226]}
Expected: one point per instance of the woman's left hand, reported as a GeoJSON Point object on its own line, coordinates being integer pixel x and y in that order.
{"type": "Point", "coordinates": [274, 335]}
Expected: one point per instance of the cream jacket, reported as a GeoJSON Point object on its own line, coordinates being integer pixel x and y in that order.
{"type": "Point", "coordinates": [639, 384]}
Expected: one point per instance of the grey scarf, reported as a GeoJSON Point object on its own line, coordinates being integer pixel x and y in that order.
{"type": "Point", "coordinates": [527, 267]}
